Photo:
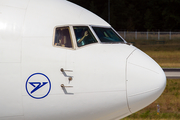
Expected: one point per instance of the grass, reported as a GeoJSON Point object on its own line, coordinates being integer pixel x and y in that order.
{"type": "Point", "coordinates": [166, 59]}
{"type": "Point", "coordinates": [165, 52]}
{"type": "Point", "coordinates": [169, 103]}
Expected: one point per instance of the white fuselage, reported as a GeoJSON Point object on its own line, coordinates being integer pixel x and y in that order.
{"type": "Point", "coordinates": [100, 81]}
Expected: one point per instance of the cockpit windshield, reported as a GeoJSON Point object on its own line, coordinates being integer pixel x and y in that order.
{"type": "Point", "coordinates": [83, 36]}
{"type": "Point", "coordinates": [107, 35]}
{"type": "Point", "coordinates": [65, 37]}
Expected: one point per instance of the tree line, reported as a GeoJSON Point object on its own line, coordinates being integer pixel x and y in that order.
{"type": "Point", "coordinates": [140, 15]}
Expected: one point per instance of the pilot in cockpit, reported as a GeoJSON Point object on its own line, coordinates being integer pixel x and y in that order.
{"type": "Point", "coordinates": [81, 41]}
{"type": "Point", "coordinates": [60, 38]}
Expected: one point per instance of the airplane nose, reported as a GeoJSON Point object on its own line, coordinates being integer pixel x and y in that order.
{"type": "Point", "coordinates": [145, 80]}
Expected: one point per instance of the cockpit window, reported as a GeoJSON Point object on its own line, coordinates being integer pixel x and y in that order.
{"type": "Point", "coordinates": [62, 37]}
{"type": "Point", "coordinates": [107, 35]}
{"type": "Point", "coordinates": [83, 35]}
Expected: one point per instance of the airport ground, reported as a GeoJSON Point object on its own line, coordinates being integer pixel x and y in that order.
{"type": "Point", "coordinates": [167, 54]}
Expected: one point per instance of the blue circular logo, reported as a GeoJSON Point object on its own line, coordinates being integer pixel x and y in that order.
{"type": "Point", "coordinates": [38, 85]}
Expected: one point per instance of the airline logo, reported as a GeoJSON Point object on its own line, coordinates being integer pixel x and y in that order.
{"type": "Point", "coordinates": [38, 85]}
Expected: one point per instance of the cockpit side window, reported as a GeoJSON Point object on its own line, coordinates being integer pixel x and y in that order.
{"type": "Point", "coordinates": [83, 35]}
{"type": "Point", "coordinates": [107, 35]}
{"type": "Point", "coordinates": [62, 37]}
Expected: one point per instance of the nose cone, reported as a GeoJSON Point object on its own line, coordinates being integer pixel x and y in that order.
{"type": "Point", "coordinates": [145, 80]}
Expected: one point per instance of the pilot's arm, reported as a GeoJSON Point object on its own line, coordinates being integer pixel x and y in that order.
{"type": "Point", "coordinates": [85, 34]}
